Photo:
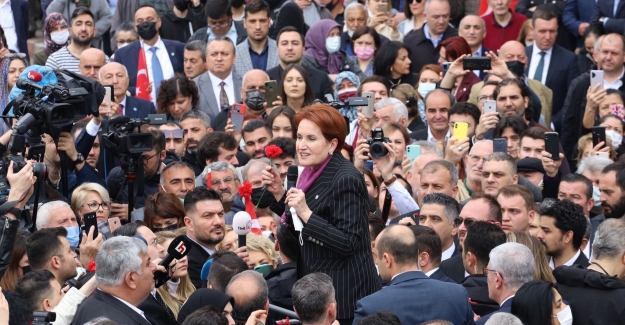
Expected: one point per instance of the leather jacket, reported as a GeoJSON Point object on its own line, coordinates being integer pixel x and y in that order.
{"type": "Point", "coordinates": [8, 232]}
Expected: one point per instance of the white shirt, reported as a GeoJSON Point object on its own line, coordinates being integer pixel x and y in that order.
{"type": "Point", "coordinates": [504, 301]}
{"type": "Point", "coordinates": [163, 58]}
{"type": "Point", "coordinates": [536, 59]}
{"type": "Point", "coordinates": [229, 87]}
{"type": "Point", "coordinates": [448, 252]}
{"type": "Point", "coordinates": [568, 263]}
{"type": "Point", "coordinates": [431, 272]}
{"type": "Point", "coordinates": [403, 200]}
{"type": "Point", "coordinates": [8, 25]}
{"type": "Point", "coordinates": [617, 84]}
{"type": "Point", "coordinates": [136, 310]}
{"type": "Point", "coordinates": [477, 54]}
{"type": "Point", "coordinates": [431, 137]}
{"type": "Point", "coordinates": [586, 251]}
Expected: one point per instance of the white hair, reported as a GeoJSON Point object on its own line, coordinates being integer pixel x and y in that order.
{"type": "Point", "coordinates": [100, 72]}
{"type": "Point", "coordinates": [118, 256]}
{"type": "Point", "coordinates": [515, 262]}
{"type": "Point", "coordinates": [399, 109]}
{"type": "Point", "coordinates": [594, 164]}
{"type": "Point", "coordinates": [253, 70]}
{"type": "Point", "coordinates": [44, 212]}
{"type": "Point", "coordinates": [355, 5]}
{"type": "Point", "coordinates": [503, 319]}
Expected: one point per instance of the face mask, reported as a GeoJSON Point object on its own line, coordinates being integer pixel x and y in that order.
{"type": "Point", "coordinates": [182, 200]}
{"type": "Point", "coordinates": [333, 44]}
{"type": "Point", "coordinates": [617, 139]}
{"type": "Point", "coordinates": [61, 37]}
{"type": "Point", "coordinates": [73, 236]}
{"type": "Point", "coordinates": [425, 88]}
{"type": "Point", "coordinates": [565, 317]}
{"type": "Point", "coordinates": [596, 193]}
{"type": "Point", "coordinates": [529, 43]}
{"type": "Point", "coordinates": [168, 228]}
{"type": "Point", "coordinates": [181, 5]}
{"type": "Point", "coordinates": [147, 30]}
{"type": "Point", "coordinates": [345, 94]}
{"type": "Point", "coordinates": [260, 199]}
{"type": "Point", "coordinates": [123, 45]}
{"type": "Point", "coordinates": [350, 33]}
{"type": "Point", "coordinates": [255, 99]}
{"type": "Point", "coordinates": [364, 52]}
{"type": "Point", "coordinates": [516, 67]}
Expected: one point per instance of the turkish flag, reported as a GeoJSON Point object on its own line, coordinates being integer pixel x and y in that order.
{"type": "Point", "coordinates": [143, 81]}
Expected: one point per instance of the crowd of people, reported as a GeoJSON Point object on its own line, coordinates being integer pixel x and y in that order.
{"type": "Point", "coordinates": [454, 196]}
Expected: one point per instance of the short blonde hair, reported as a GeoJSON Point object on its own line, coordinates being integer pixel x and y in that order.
{"type": "Point", "coordinates": [80, 193]}
{"type": "Point", "coordinates": [261, 244]}
{"type": "Point", "coordinates": [586, 140]}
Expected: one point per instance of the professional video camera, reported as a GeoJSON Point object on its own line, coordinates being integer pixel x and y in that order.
{"type": "Point", "coordinates": [352, 101]}
{"type": "Point", "coordinates": [43, 318]}
{"type": "Point", "coordinates": [376, 143]}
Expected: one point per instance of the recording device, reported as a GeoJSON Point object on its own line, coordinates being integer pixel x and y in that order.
{"type": "Point", "coordinates": [598, 135]}
{"type": "Point", "coordinates": [43, 317]}
{"type": "Point", "coordinates": [368, 110]}
{"type": "Point", "coordinates": [114, 223]}
{"type": "Point", "coordinates": [500, 145]}
{"type": "Point", "coordinates": [271, 92]}
{"type": "Point", "coordinates": [352, 101]}
{"type": "Point", "coordinates": [91, 220]}
{"type": "Point", "coordinates": [552, 144]}
{"type": "Point", "coordinates": [178, 249]}
{"type": "Point", "coordinates": [376, 143]}
{"type": "Point", "coordinates": [383, 7]}
{"type": "Point", "coordinates": [461, 130]}
{"type": "Point", "coordinates": [445, 66]}
{"type": "Point", "coordinates": [237, 115]}
{"type": "Point", "coordinates": [242, 225]}
{"type": "Point", "coordinates": [490, 106]}
{"type": "Point", "coordinates": [596, 78]}
{"type": "Point", "coordinates": [476, 63]}
{"type": "Point", "coordinates": [264, 269]}
{"type": "Point", "coordinates": [412, 152]}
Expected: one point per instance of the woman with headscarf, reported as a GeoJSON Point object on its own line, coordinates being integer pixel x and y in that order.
{"type": "Point", "coordinates": [207, 297]}
{"type": "Point", "coordinates": [289, 15]}
{"type": "Point", "coordinates": [55, 35]}
{"type": "Point", "coordinates": [346, 86]}
{"type": "Point", "coordinates": [10, 69]}
{"type": "Point", "coordinates": [323, 43]}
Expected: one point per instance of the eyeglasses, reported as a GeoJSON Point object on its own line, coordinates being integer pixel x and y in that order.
{"type": "Point", "coordinates": [95, 205]}
{"type": "Point", "coordinates": [467, 222]}
{"type": "Point", "coordinates": [486, 270]}
{"type": "Point", "coordinates": [227, 181]}
{"type": "Point", "coordinates": [147, 159]}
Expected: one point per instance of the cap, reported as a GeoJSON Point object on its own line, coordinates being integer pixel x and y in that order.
{"type": "Point", "coordinates": [530, 165]}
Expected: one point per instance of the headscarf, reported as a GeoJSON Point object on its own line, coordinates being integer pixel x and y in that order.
{"type": "Point", "coordinates": [351, 112]}
{"type": "Point", "coordinates": [204, 297]}
{"type": "Point", "coordinates": [4, 83]}
{"type": "Point", "coordinates": [290, 15]}
{"type": "Point", "coordinates": [54, 19]}
{"type": "Point", "coordinates": [316, 46]}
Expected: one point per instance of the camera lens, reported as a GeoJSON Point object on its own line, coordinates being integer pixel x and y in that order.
{"type": "Point", "coordinates": [40, 170]}
{"type": "Point", "coordinates": [378, 150]}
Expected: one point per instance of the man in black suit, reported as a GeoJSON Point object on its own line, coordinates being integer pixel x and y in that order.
{"type": "Point", "coordinates": [562, 228]}
{"type": "Point", "coordinates": [511, 266]}
{"type": "Point", "coordinates": [290, 50]}
{"type": "Point", "coordinates": [610, 16]}
{"type": "Point", "coordinates": [116, 74]}
{"type": "Point", "coordinates": [549, 63]}
{"type": "Point", "coordinates": [430, 250]}
{"type": "Point", "coordinates": [437, 104]}
{"type": "Point", "coordinates": [313, 299]}
{"type": "Point", "coordinates": [125, 279]}
{"type": "Point", "coordinates": [576, 187]}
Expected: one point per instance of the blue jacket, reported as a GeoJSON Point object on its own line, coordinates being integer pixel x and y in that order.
{"type": "Point", "coordinates": [505, 308]}
{"type": "Point", "coordinates": [575, 13]}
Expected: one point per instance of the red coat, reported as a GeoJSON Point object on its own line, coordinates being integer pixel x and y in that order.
{"type": "Point", "coordinates": [496, 35]}
{"type": "Point", "coordinates": [464, 88]}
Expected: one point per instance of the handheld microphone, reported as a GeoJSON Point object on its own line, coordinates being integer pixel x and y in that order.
{"type": "Point", "coordinates": [242, 225]}
{"type": "Point", "coordinates": [178, 249]}
{"type": "Point", "coordinates": [291, 181]}
{"type": "Point", "coordinates": [34, 76]}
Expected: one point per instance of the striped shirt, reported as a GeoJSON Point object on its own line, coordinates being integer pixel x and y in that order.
{"type": "Point", "coordinates": [63, 59]}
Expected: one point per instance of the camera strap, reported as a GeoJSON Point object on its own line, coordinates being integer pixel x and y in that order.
{"type": "Point", "coordinates": [386, 206]}
{"type": "Point", "coordinates": [7, 207]}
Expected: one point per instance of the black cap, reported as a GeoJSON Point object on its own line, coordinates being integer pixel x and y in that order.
{"type": "Point", "coordinates": [530, 165]}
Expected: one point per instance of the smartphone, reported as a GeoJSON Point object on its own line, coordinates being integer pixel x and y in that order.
{"type": "Point", "coordinates": [108, 96]}
{"type": "Point", "coordinates": [90, 220]}
{"type": "Point", "coordinates": [237, 114]}
{"type": "Point", "coordinates": [369, 165]}
{"type": "Point", "coordinates": [461, 130]}
{"type": "Point", "coordinates": [603, 154]}
{"type": "Point", "coordinates": [476, 63]}
{"type": "Point", "coordinates": [490, 106]}
{"type": "Point", "coordinates": [412, 152]}
{"type": "Point", "coordinates": [264, 269]}
{"type": "Point", "coordinates": [500, 145]}
{"type": "Point", "coordinates": [596, 78]}
{"type": "Point", "coordinates": [598, 135]}
{"type": "Point", "coordinates": [446, 66]}
{"type": "Point", "coordinates": [271, 92]}
{"type": "Point", "coordinates": [552, 144]}
{"type": "Point", "coordinates": [368, 110]}
{"type": "Point", "coordinates": [383, 7]}
{"type": "Point", "coordinates": [114, 223]}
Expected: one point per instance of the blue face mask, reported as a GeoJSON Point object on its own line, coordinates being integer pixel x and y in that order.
{"type": "Point", "coordinates": [596, 195]}
{"type": "Point", "coordinates": [73, 236]}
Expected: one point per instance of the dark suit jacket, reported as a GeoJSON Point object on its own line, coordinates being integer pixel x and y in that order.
{"type": "Point", "coordinates": [440, 276]}
{"type": "Point", "coordinates": [321, 83]}
{"type": "Point", "coordinates": [102, 304]}
{"type": "Point", "coordinates": [209, 103]}
{"type": "Point", "coordinates": [575, 13]}
{"type": "Point", "coordinates": [155, 311]}
{"type": "Point", "coordinates": [416, 298]}
{"type": "Point", "coordinates": [20, 22]}
{"type": "Point", "coordinates": [202, 33]}
{"type": "Point", "coordinates": [605, 8]}
{"type": "Point", "coordinates": [563, 68]}
{"type": "Point", "coordinates": [129, 57]}
{"type": "Point", "coordinates": [421, 134]}
{"type": "Point", "coordinates": [422, 51]}
{"type": "Point", "coordinates": [582, 260]}
{"type": "Point", "coordinates": [197, 257]}
{"type": "Point", "coordinates": [505, 308]}
{"type": "Point", "coordinates": [336, 237]}
{"type": "Point", "coordinates": [138, 108]}
{"type": "Point", "coordinates": [453, 268]}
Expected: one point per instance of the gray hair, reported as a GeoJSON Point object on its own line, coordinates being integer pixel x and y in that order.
{"type": "Point", "coordinates": [243, 81]}
{"type": "Point", "coordinates": [503, 319]}
{"type": "Point", "coordinates": [429, 146]}
{"type": "Point", "coordinates": [503, 156]}
{"type": "Point", "coordinates": [100, 320]}
{"type": "Point", "coordinates": [44, 212]}
{"type": "Point", "coordinates": [427, 5]}
{"type": "Point", "coordinates": [452, 99]}
{"type": "Point", "coordinates": [222, 38]}
{"type": "Point", "coordinates": [482, 20]}
{"type": "Point", "coordinates": [356, 5]}
{"type": "Point", "coordinates": [223, 166]}
{"type": "Point", "coordinates": [197, 45]}
{"type": "Point", "coordinates": [609, 241]}
{"type": "Point", "coordinates": [399, 109]}
{"type": "Point", "coordinates": [243, 308]}
{"type": "Point", "coordinates": [594, 164]}
{"type": "Point", "coordinates": [118, 256]}
{"type": "Point", "coordinates": [312, 295]}
{"type": "Point", "coordinates": [451, 169]}
{"type": "Point", "coordinates": [452, 208]}
{"type": "Point", "coordinates": [252, 162]}
{"type": "Point", "coordinates": [203, 117]}
{"type": "Point", "coordinates": [481, 141]}
{"type": "Point", "coordinates": [127, 26]}
{"type": "Point", "coordinates": [515, 262]}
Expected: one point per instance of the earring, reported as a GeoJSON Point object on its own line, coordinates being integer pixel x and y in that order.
{"type": "Point", "coordinates": [330, 153]}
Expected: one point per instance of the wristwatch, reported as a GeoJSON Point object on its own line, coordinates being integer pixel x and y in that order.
{"type": "Point", "coordinates": [390, 181]}
{"type": "Point", "coordinates": [79, 159]}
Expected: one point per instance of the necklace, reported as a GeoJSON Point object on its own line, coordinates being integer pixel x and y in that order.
{"type": "Point", "coordinates": [601, 267]}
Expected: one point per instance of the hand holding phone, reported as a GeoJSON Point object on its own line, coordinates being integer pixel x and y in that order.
{"type": "Point", "coordinates": [552, 145]}
{"type": "Point", "coordinates": [91, 220]}
{"type": "Point", "coordinates": [237, 115]}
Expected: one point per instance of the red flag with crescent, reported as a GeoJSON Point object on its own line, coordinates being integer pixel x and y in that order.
{"type": "Point", "coordinates": [143, 81]}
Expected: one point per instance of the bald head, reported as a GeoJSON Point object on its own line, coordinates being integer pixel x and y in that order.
{"type": "Point", "coordinates": [91, 60]}
{"type": "Point", "coordinates": [115, 74]}
{"type": "Point", "coordinates": [250, 294]}
{"type": "Point", "coordinates": [513, 51]}
{"type": "Point", "coordinates": [253, 80]}
{"type": "Point", "coordinates": [399, 242]}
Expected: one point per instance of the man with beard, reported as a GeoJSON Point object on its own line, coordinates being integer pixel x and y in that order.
{"type": "Point", "coordinates": [82, 31]}
{"type": "Point", "coordinates": [195, 124]}
{"type": "Point", "coordinates": [204, 220]}
{"type": "Point", "coordinates": [562, 228]}
{"type": "Point", "coordinates": [612, 187]}
{"type": "Point", "coordinates": [258, 51]}
{"type": "Point", "coordinates": [256, 136]}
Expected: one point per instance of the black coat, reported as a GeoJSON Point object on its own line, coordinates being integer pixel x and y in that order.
{"type": "Point", "coordinates": [155, 311]}
{"type": "Point", "coordinates": [197, 257]}
{"type": "Point", "coordinates": [181, 29]}
{"type": "Point", "coordinates": [118, 187]}
{"type": "Point", "coordinates": [453, 268]}
{"type": "Point", "coordinates": [202, 34]}
{"type": "Point", "coordinates": [280, 283]}
{"type": "Point", "coordinates": [422, 51]}
{"type": "Point", "coordinates": [595, 298]}
{"type": "Point", "coordinates": [321, 83]}
{"type": "Point", "coordinates": [102, 304]}
{"type": "Point", "coordinates": [477, 288]}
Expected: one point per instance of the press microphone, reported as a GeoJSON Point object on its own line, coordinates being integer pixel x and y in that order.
{"type": "Point", "coordinates": [178, 249]}
{"type": "Point", "coordinates": [34, 76]}
{"type": "Point", "coordinates": [291, 181]}
{"type": "Point", "coordinates": [242, 225]}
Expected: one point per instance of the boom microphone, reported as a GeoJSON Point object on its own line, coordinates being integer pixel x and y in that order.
{"type": "Point", "coordinates": [242, 225]}
{"type": "Point", "coordinates": [34, 76]}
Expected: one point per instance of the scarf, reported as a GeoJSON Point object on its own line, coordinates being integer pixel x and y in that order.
{"type": "Point", "coordinates": [316, 46]}
{"type": "Point", "coordinates": [54, 19]}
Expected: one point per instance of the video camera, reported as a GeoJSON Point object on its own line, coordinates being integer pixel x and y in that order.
{"type": "Point", "coordinates": [352, 101]}
{"type": "Point", "coordinates": [120, 137]}
{"type": "Point", "coordinates": [43, 318]}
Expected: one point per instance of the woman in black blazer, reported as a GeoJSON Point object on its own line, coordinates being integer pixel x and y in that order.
{"type": "Point", "coordinates": [331, 200]}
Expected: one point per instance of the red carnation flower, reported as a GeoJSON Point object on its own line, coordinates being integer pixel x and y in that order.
{"type": "Point", "coordinates": [246, 189]}
{"type": "Point", "coordinates": [273, 151]}
{"type": "Point", "coordinates": [91, 266]}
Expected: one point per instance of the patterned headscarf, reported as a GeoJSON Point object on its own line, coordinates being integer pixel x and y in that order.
{"type": "Point", "coordinates": [54, 19]}
{"type": "Point", "coordinates": [351, 112]}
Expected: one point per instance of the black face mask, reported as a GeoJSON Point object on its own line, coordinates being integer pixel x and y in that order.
{"type": "Point", "coordinates": [168, 228]}
{"type": "Point", "coordinates": [182, 5]}
{"type": "Point", "coordinates": [260, 199]}
{"type": "Point", "coordinates": [516, 67]}
{"type": "Point", "coordinates": [147, 30]}
{"type": "Point", "coordinates": [254, 100]}
{"type": "Point", "coordinates": [237, 3]}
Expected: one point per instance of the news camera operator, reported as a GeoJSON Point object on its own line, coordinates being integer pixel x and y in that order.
{"type": "Point", "coordinates": [329, 201]}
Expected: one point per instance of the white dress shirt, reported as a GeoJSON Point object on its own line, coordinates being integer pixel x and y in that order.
{"type": "Point", "coordinates": [8, 25]}
{"type": "Point", "coordinates": [135, 309]}
{"type": "Point", "coordinates": [536, 59]}
{"type": "Point", "coordinates": [568, 263]}
{"type": "Point", "coordinates": [432, 139]}
{"type": "Point", "coordinates": [448, 252]}
{"type": "Point", "coordinates": [229, 87]}
{"type": "Point", "coordinates": [403, 200]}
{"type": "Point", "coordinates": [163, 58]}
{"type": "Point", "coordinates": [586, 251]}
{"type": "Point", "coordinates": [430, 272]}
{"type": "Point", "coordinates": [617, 84]}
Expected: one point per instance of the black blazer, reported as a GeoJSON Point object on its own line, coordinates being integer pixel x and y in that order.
{"type": "Point", "coordinates": [505, 308]}
{"type": "Point", "coordinates": [440, 276]}
{"type": "Point", "coordinates": [421, 134]}
{"type": "Point", "coordinates": [102, 304]}
{"type": "Point", "coordinates": [197, 257]}
{"type": "Point", "coordinates": [155, 311]}
{"type": "Point", "coordinates": [453, 268]}
{"type": "Point", "coordinates": [336, 237]}
{"type": "Point", "coordinates": [582, 260]}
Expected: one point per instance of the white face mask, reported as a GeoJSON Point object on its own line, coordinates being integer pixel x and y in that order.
{"type": "Point", "coordinates": [425, 88]}
{"type": "Point", "coordinates": [350, 33]}
{"type": "Point", "coordinates": [123, 45]}
{"type": "Point", "coordinates": [333, 44]}
{"type": "Point", "coordinates": [565, 316]}
{"type": "Point", "coordinates": [529, 43]}
{"type": "Point", "coordinates": [617, 139]}
{"type": "Point", "coordinates": [61, 37]}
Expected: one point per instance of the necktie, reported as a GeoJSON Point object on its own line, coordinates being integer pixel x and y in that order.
{"type": "Point", "coordinates": [157, 70]}
{"type": "Point", "coordinates": [162, 303]}
{"type": "Point", "coordinates": [223, 97]}
{"type": "Point", "coordinates": [538, 75]}
{"type": "Point", "coordinates": [121, 109]}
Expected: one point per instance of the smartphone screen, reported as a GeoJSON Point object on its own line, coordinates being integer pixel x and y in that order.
{"type": "Point", "coordinates": [91, 221]}
{"type": "Point", "coordinates": [108, 95]}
